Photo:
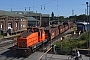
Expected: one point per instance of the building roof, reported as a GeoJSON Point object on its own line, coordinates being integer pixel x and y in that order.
{"type": "Point", "coordinates": [22, 12]}
{"type": "Point", "coordinates": [30, 13]}
{"type": "Point", "coordinates": [7, 13]}
{"type": "Point", "coordinates": [27, 13]}
{"type": "Point", "coordinates": [32, 19]}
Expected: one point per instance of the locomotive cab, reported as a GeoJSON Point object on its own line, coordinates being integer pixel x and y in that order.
{"type": "Point", "coordinates": [41, 33]}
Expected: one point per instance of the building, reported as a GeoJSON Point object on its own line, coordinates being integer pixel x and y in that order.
{"type": "Point", "coordinates": [43, 18]}
{"type": "Point", "coordinates": [32, 21]}
{"type": "Point", "coordinates": [12, 22]}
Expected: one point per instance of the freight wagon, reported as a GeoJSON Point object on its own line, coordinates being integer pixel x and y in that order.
{"type": "Point", "coordinates": [35, 37]}
{"type": "Point", "coordinates": [83, 26]}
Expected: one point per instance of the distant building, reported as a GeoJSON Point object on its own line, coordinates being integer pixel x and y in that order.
{"type": "Point", "coordinates": [43, 18]}
{"type": "Point", "coordinates": [13, 21]}
{"type": "Point", "coordinates": [32, 21]}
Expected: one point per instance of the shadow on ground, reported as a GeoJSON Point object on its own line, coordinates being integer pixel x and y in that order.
{"type": "Point", "coordinates": [9, 54]}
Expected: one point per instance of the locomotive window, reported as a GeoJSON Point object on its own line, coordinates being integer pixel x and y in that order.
{"type": "Point", "coordinates": [23, 43]}
{"type": "Point", "coordinates": [36, 30]}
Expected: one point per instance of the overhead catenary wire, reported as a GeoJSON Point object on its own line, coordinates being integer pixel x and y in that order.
{"type": "Point", "coordinates": [57, 4]}
{"type": "Point", "coordinates": [35, 6]}
{"type": "Point", "coordinates": [39, 5]}
{"type": "Point", "coordinates": [30, 6]}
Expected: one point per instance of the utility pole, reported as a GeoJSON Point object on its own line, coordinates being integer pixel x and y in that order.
{"type": "Point", "coordinates": [87, 23]}
{"type": "Point", "coordinates": [11, 9]}
{"type": "Point", "coordinates": [58, 19]}
{"type": "Point", "coordinates": [33, 8]}
{"type": "Point", "coordinates": [88, 41]}
{"type": "Point", "coordinates": [40, 19]}
{"type": "Point", "coordinates": [85, 12]}
{"type": "Point", "coordinates": [29, 8]}
{"type": "Point", "coordinates": [25, 11]}
{"type": "Point", "coordinates": [25, 8]}
{"type": "Point", "coordinates": [72, 12]}
{"type": "Point", "coordinates": [36, 18]}
{"type": "Point", "coordinates": [73, 15]}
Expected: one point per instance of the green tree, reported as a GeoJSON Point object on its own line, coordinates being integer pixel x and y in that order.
{"type": "Point", "coordinates": [52, 16]}
{"type": "Point", "coordinates": [61, 18]}
{"type": "Point", "coordinates": [72, 18]}
{"type": "Point", "coordinates": [82, 17]}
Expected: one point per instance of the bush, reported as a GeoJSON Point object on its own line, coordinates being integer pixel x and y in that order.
{"type": "Point", "coordinates": [84, 36]}
{"type": "Point", "coordinates": [66, 46]}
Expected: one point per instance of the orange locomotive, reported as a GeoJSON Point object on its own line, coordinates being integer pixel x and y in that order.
{"type": "Point", "coordinates": [29, 41]}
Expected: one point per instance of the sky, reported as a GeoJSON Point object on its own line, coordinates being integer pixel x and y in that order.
{"type": "Point", "coordinates": [59, 7]}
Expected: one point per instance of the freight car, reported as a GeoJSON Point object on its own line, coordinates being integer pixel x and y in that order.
{"type": "Point", "coordinates": [83, 26]}
{"type": "Point", "coordinates": [35, 37]}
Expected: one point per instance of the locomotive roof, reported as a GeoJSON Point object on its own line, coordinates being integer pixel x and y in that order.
{"type": "Point", "coordinates": [26, 33]}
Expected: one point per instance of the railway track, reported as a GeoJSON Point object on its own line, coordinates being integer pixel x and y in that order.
{"type": "Point", "coordinates": [7, 41]}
